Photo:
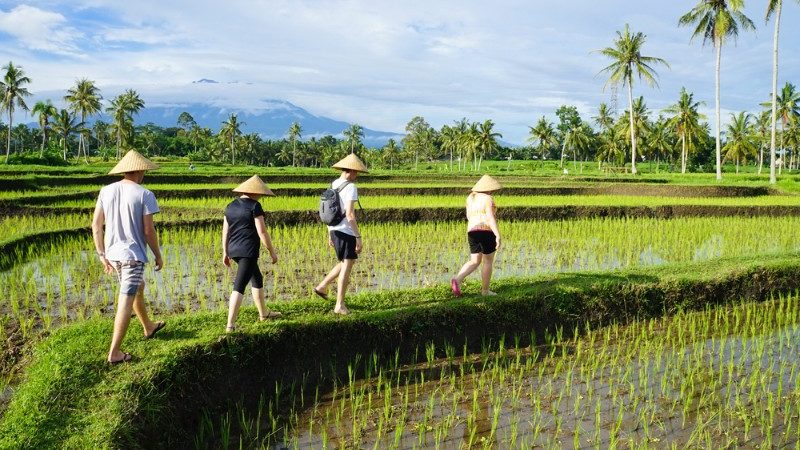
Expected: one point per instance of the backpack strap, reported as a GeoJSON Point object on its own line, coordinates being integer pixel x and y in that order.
{"type": "Point", "coordinates": [339, 189]}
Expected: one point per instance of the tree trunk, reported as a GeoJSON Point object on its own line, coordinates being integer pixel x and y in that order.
{"type": "Point", "coordinates": [772, 178]}
{"type": "Point", "coordinates": [760, 158]}
{"type": "Point", "coordinates": [684, 156]}
{"type": "Point", "coordinates": [563, 149]}
{"type": "Point", "coordinates": [8, 134]}
{"type": "Point", "coordinates": [718, 43]}
{"type": "Point", "coordinates": [633, 130]}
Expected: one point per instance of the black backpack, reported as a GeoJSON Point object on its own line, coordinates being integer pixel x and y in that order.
{"type": "Point", "coordinates": [330, 206]}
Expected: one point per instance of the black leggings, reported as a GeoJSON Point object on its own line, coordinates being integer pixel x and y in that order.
{"type": "Point", "coordinates": [248, 271]}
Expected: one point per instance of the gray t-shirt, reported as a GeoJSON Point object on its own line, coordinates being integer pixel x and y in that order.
{"type": "Point", "coordinates": [124, 205]}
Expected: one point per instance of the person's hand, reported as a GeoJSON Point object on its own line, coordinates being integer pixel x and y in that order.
{"type": "Point", "coordinates": [330, 242]}
{"type": "Point", "coordinates": [359, 245]}
{"type": "Point", "coordinates": [497, 242]}
{"type": "Point", "coordinates": [226, 260]}
{"type": "Point", "coordinates": [274, 256]}
{"type": "Point", "coordinates": [159, 263]}
{"type": "Point", "coordinates": [107, 267]}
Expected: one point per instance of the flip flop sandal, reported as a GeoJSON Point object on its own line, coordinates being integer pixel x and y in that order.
{"type": "Point", "coordinates": [158, 327]}
{"type": "Point", "coordinates": [270, 315]}
{"type": "Point", "coordinates": [455, 287]}
{"type": "Point", "coordinates": [126, 357]}
{"type": "Point", "coordinates": [321, 294]}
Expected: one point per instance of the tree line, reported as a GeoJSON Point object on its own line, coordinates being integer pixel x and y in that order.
{"type": "Point", "coordinates": [679, 135]}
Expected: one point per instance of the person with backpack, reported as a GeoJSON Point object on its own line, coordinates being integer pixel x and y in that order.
{"type": "Point", "coordinates": [338, 211]}
{"type": "Point", "coordinates": [483, 234]}
{"type": "Point", "coordinates": [243, 230]}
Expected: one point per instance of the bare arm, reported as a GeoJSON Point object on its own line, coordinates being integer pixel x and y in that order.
{"type": "Point", "coordinates": [263, 234]}
{"type": "Point", "coordinates": [98, 235]}
{"type": "Point", "coordinates": [490, 217]}
{"type": "Point", "coordinates": [226, 260]}
{"type": "Point", "coordinates": [350, 216]}
{"type": "Point", "coordinates": [152, 239]}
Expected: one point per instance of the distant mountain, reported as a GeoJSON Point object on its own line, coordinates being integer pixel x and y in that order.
{"type": "Point", "coordinates": [269, 118]}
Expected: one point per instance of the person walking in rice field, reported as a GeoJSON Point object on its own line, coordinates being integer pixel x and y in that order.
{"type": "Point", "coordinates": [243, 232]}
{"type": "Point", "coordinates": [122, 229]}
{"type": "Point", "coordinates": [344, 236]}
{"type": "Point", "coordinates": [483, 235]}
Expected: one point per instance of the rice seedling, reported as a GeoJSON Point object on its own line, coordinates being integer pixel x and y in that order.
{"type": "Point", "coordinates": [483, 406]}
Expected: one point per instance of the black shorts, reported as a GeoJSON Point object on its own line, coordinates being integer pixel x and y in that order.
{"type": "Point", "coordinates": [344, 244]}
{"type": "Point", "coordinates": [482, 242]}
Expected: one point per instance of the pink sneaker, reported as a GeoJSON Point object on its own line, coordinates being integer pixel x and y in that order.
{"type": "Point", "coordinates": [455, 287]}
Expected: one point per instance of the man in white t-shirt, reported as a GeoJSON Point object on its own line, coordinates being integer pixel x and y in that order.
{"type": "Point", "coordinates": [123, 229]}
{"type": "Point", "coordinates": [344, 237]}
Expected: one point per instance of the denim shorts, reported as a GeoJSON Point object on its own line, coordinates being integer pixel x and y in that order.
{"type": "Point", "coordinates": [130, 274]}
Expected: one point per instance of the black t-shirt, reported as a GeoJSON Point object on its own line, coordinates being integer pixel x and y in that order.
{"type": "Point", "coordinates": [243, 240]}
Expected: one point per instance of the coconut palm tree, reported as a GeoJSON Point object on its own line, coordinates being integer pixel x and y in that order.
{"type": "Point", "coordinates": [354, 135]}
{"type": "Point", "coordinates": [639, 120]}
{"type": "Point", "coordinates": [627, 61]}
{"type": "Point", "coordinates": [13, 90]}
{"type": "Point", "coordinates": [390, 153]}
{"type": "Point", "coordinates": [787, 109]}
{"type": "Point", "coordinates": [294, 132]}
{"type": "Point", "coordinates": [774, 8]}
{"type": "Point", "coordinates": [761, 127]}
{"type": "Point", "coordinates": [660, 140]}
{"type": "Point", "coordinates": [578, 138]}
{"type": "Point", "coordinates": [604, 118]}
{"type": "Point", "coordinates": [716, 21]}
{"type": "Point", "coordinates": [65, 125]}
{"type": "Point", "coordinates": [470, 140]}
{"type": "Point", "coordinates": [449, 140]}
{"type": "Point", "coordinates": [45, 110]}
{"type": "Point", "coordinates": [84, 99]}
{"type": "Point", "coordinates": [685, 122]}
{"type": "Point", "coordinates": [487, 140]}
{"type": "Point", "coordinates": [740, 143]}
{"type": "Point", "coordinates": [792, 141]}
{"type": "Point", "coordinates": [123, 107]}
{"type": "Point", "coordinates": [230, 131]}
{"type": "Point", "coordinates": [543, 135]}
{"type": "Point", "coordinates": [612, 146]}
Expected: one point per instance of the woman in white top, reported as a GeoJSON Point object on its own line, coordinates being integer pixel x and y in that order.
{"type": "Point", "coordinates": [483, 235]}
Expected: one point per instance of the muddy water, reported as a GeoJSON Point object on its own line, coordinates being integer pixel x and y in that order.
{"type": "Point", "coordinates": [522, 401]}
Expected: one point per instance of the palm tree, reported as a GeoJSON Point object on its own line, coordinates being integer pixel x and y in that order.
{"type": "Point", "coordinates": [578, 138]}
{"type": "Point", "coordinates": [100, 130]}
{"type": "Point", "coordinates": [390, 153]}
{"type": "Point", "coordinates": [627, 61]}
{"type": "Point", "coordinates": [45, 110]}
{"type": "Point", "coordinates": [740, 143]}
{"type": "Point", "coordinates": [660, 140]}
{"type": "Point", "coordinates": [792, 140]}
{"type": "Point", "coordinates": [230, 131]}
{"type": "Point", "coordinates": [543, 135]}
{"type": "Point", "coordinates": [354, 134]}
{"type": "Point", "coordinates": [788, 109]}
{"type": "Point", "coordinates": [14, 92]}
{"type": "Point", "coordinates": [685, 122]}
{"type": "Point", "coordinates": [604, 118]}
{"type": "Point", "coordinates": [295, 130]}
{"type": "Point", "coordinates": [449, 138]}
{"type": "Point", "coordinates": [774, 8]}
{"type": "Point", "coordinates": [639, 120]}
{"type": "Point", "coordinates": [762, 128]}
{"type": "Point", "coordinates": [612, 146]}
{"type": "Point", "coordinates": [470, 140]}
{"type": "Point", "coordinates": [84, 98]}
{"type": "Point", "coordinates": [715, 21]}
{"type": "Point", "coordinates": [64, 126]}
{"type": "Point", "coordinates": [122, 109]}
{"type": "Point", "coordinates": [487, 140]}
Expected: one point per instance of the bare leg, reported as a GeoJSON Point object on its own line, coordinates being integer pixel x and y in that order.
{"type": "Point", "coordinates": [121, 322]}
{"type": "Point", "coordinates": [140, 310]}
{"type": "Point", "coordinates": [233, 309]}
{"type": "Point", "coordinates": [469, 267]}
{"type": "Point", "coordinates": [258, 299]}
{"type": "Point", "coordinates": [341, 288]}
{"type": "Point", "coordinates": [486, 274]}
{"type": "Point", "coordinates": [332, 275]}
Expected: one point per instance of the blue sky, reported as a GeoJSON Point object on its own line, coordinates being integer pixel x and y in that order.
{"type": "Point", "coordinates": [379, 63]}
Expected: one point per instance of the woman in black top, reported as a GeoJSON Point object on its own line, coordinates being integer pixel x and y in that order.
{"type": "Point", "coordinates": [242, 233]}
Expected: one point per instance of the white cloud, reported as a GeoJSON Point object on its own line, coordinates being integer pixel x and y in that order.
{"type": "Point", "coordinates": [37, 29]}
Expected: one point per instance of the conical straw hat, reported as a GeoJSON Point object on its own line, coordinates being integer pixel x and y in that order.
{"type": "Point", "coordinates": [351, 162]}
{"type": "Point", "coordinates": [254, 185]}
{"type": "Point", "coordinates": [133, 161]}
{"type": "Point", "coordinates": [486, 184]}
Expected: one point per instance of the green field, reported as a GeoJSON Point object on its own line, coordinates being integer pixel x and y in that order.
{"type": "Point", "coordinates": [595, 336]}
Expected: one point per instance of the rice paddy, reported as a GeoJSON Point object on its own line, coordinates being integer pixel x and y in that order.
{"type": "Point", "coordinates": [724, 377]}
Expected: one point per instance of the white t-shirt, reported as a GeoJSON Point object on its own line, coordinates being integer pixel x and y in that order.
{"type": "Point", "coordinates": [346, 196]}
{"type": "Point", "coordinates": [124, 205]}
